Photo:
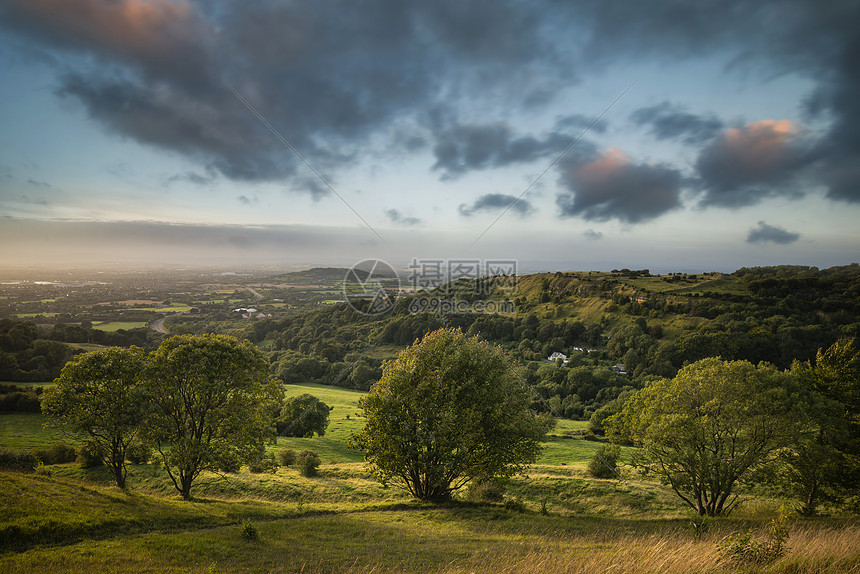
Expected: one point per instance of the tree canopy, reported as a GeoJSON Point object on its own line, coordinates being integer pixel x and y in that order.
{"type": "Point", "coordinates": [447, 410]}
{"type": "Point", "coordinates": [708, 428]}
{"type": "Point", "coordinates": [212, 405]}
{"type": "Point", "coordinates": [826, 464]}
{"type": "Point", "coordinates": [303, 415]}
{"type": "Point", "coordinates": [100, 395]}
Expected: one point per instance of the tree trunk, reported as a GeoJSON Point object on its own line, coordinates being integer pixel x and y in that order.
{"type": "Point", "coordinates": [185, 481]}
{"type": "Point", "coordinates": [119, 476]}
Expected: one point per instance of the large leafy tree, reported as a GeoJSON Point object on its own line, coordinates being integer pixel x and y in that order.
{"type": "Point", "coordinates": [825, 465]}
{"type": "Point", "coordinates": [100, 395]}
{"type": "Point", "coordinates": [303, 415]}
{"type": "Point", "coordinates": [447, 410]}
{"type": "Point", "coordinates": [710, 427]}
{"type": "Point", "coordinates": [212, 405]}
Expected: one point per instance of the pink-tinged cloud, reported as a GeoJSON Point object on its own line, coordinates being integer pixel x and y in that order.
{"type": "Point", "coordinates": [611, 186]}
{"type": "Point", "coordinates": [161, 37]}
{"type": "Point", "coordinates": [743, 165]}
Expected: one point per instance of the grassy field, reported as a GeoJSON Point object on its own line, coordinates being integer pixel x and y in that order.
{"type": "Point", "coordinates": [555, 518]}
{"type": "Point", "coordinates": [25, 431]}
{"type": "Point", "coordinates": [117, 325]}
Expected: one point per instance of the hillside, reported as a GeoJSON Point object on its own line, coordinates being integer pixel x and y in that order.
{"type": "Point", "coordinates": [619, 329]}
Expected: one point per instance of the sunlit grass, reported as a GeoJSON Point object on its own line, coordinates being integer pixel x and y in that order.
{"type": "Point", "coordinates": [117, 325]}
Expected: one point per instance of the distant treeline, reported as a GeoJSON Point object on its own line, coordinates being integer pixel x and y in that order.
{"type": "Point", "coordinates": [30, 353]}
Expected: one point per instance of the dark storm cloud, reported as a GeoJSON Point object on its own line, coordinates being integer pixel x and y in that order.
{"type": "Point", "coordinates": [668, 121]}
{"type": "Point", "coordinates": [745, 165]}
{"type": "Point", "coordinates": [610, 186]}
{"type": "Point", "coordinates": [394, 216]}
{"type": "Point", "coordinates": [839, 149]}
{"type": "Point", "coordinates": [769, 233]}
{"type": "Point", "coordinates": [326, 75]}
{"type": "Point", "coordinates": [497, 202]}
{"type": "Point", "coordinates": [329, 75]}
{"type": "Point", "coordinates": [463, 148]}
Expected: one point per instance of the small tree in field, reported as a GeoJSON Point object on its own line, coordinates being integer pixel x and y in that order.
{"type": "Point", "coordinates": [100, 395]}
{"type": "Point", "coordinates": [708, 428]}
{"type": "Point", "coordinates": [448, 410]}
{"type": "Point", "coordinates": [303, 416]}
{"type": "Point", "coordinates": [212, 405]}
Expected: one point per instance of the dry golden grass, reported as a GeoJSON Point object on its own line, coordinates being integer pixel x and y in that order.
{"type": "Point", "coordinates": [811, 550]}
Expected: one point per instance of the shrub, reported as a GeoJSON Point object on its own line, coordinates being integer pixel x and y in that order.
{"type": "Point", "coordinates": [264, 464]}
{"type": "Point", "coordinates": [17, 460]}
{"type": "Point", "coordinates": [744, 549]}
{"type": "Point", "coordinates": [308, 462]}
{"type": "Point", "coordinates": [604, 463]}
{"type": "Point", "coordinates": [58, 453]}
{"type": "Point", "coordinates": [249, 531]}
{"type": "Point", "coordinates": [515, 504]}
{"type": "Point", "coordinates": [700, 525]}
{"type": "Point", "coordinates": [90, 456]}
{"type": "Point", "coordinates": [138, 453]}
{"type": "Point", "coordinates": [287, 457]}
{"type": "Point", "coordinates": [486, 490]}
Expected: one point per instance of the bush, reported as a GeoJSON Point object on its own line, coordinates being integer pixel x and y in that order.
{"type": "Point", "coordinates": [58, 453]}
{"type": "Point", "coordinates": [17, 460]}
{"type": "Point", "coordinates": [138, 453]}
{"type": "Point", "coordinates": [264, 464]}
{"type": "Point", "coordinates": [486, 490]}
{"type": "Point", "coordinates": [604, 463]}
{"type": "Point", "coordinates": [308, 461]}
{"type": "Point", "coordinates": [287, 457]}
{"type": "Point", "coordinates": [249, 531]}
{"type": "Point", "coordinates": [515, 504]}
{"type": "Point", "coordinates": [90, 456]}
{"type": "Point", "coordinates": [744, 549]}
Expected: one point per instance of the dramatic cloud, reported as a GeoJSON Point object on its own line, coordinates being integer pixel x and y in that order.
{"type": "Point", "coordinates": [667, 121]}
{"type": "Point", "coordinates": [839, 149]}
{"type": "Point", "coordinates": [744, 165]}
{"type": "Point", "coordinates": [334, 77]}
{"type": "Point", "coordinates": [497, 202]}
{"type": "Point", "coordinates": [611, 187]}
{"type": "Point", "coordinates": [463, 148]}
{"type": "Point", "coordinates": [769, 233]}
{"type": "Point", "coordinates": [394, 216]}
{"type": "Point", "coordinates": [328, 76]}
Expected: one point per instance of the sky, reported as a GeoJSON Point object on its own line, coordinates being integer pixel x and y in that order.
{"type": "Point", "coordinates": [564, 135]}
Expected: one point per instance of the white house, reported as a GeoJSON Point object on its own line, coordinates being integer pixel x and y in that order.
{"type": "Point", "coordinates": [556, 356]}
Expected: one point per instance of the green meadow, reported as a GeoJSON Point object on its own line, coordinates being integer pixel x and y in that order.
{"type": "Point", "coordinates": [554, 518]}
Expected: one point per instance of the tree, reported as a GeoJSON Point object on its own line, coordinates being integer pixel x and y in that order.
{"type": "Point", "coordinates": [213, 405]}
{"type": "Point", "coordinates": [712, 425]}
{"type": "Point", "coordinates": [447, 410]}
{"type": "Point", "coordinates": [827, 464]}
{"type": "Point", "coordinates": [303, 415]}
{"type": "Point", "coordinates": [100, 395]}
